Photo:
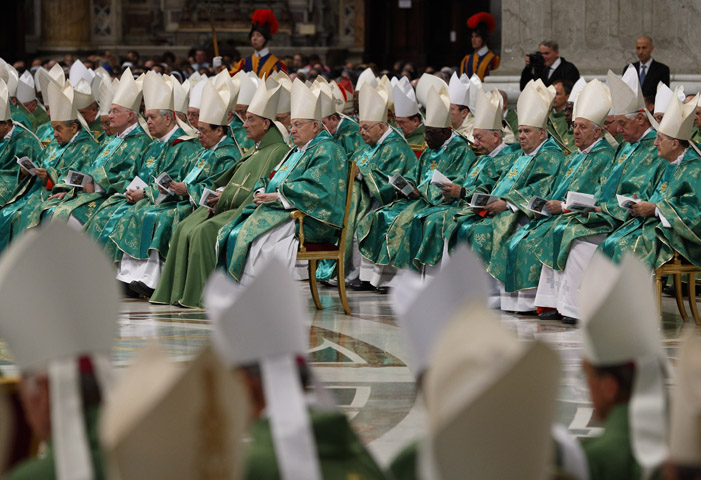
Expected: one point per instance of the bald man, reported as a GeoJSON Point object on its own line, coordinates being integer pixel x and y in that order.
{"type": "Point", "coordinates": [653, 71]}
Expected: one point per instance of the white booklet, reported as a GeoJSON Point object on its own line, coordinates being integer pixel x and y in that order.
{"type": "Point", "coordinates": [27, 164]}
{"type": "Point", "coordinates": [137, 184]}
{"type": "Point", "coordinates": [401, 184]}
{"type": "Point", "coordinates": [207, 195]}
{"type": "Point", "coordinates": [626, 202]}
{"type": "Point", "coordinates": [439, 179]}
{"type": "Point", "coordinates": [164, 180]}
{"type": "Point", "coordinates": [77, 179]}
{"type": "Point", "coordinates": [537, 205]}
{"type": "Point", "coordinates": [580, 202]}
{"type": "Point", "coordinates": [481, 200]}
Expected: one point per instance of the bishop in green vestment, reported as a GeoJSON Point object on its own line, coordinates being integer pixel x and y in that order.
{"type": "Point", "coordinates": [192, 256]}
{"type": "Point", "coordinates": [384, 233]}
{"type": "Point", "coordinates": [238, 133]}
{"type": "Point", "coordinates": [671, 220]}
{"type": "Point", "coordinates": [15, 141]}
{"type": "Point", "coordinates": [345, 132]}
{"type": "Point", "coordinates": [311, 179]}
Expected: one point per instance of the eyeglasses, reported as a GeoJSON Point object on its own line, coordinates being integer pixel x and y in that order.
{"type": "Point", "coordinates": [298, 125]}
{"type": "Point", "coordinates": [116, 111]}
{"type": "Point", "coordinates": [366, 128]}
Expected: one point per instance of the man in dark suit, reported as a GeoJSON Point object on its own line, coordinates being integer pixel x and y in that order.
{"type": "Point", "coordinates": [653, 72]}
{"type": "Point", "coordinates": [551, 69]}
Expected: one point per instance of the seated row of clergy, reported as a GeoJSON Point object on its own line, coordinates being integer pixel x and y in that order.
{"type": "Point", "coordinates": [659, 171]}
{"type": "Point", "coordinates": [160, 420]}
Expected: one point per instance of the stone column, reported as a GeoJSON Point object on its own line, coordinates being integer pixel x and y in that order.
{"type": "Point", "coordinates": [65, 23]}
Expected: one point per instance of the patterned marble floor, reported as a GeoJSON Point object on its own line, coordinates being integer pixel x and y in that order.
{"type": "Point", "coordinates": [362, 359]}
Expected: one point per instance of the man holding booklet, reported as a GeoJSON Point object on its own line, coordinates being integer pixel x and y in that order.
{"type": "Point", "coordinates": [671, 219]}
{"type": "Point", "coordinates": [567, 248]}
{"type": "Point", "coordinates": [516, 264]}
{"type": "Point", "coordinates": [382, 233]}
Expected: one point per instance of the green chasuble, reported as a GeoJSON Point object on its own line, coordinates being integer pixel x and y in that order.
{"type": "Point", "coordinates": [342, 455]}
{"type": "Point", "coordinates": [417, 137]}
{"type": "Point", "coordinates": [528, 176]}
{"type": "Point", "coordinates": [23, 210]}
{"type": "Point", "coordinates": [696, 135]}
{"type": "Point", "coordinates": [427, 229]}
{"type": "Point", "coordinates": [312, 179]}
{"type": "Point", "coordinates": [160, 157]}
{"type": "Point", "coordinates": [20, 143]}
{"type": "Point", "coordinates": [558, 128]}
{"type": "Point", "coordinates": [678, 198]}
{"type": "Point", "coordinates": [192, 256]}
{"type": "Point", "coordinates": [348, 137]}
{"type": "Point", "coordinates": [45, 133]}
{"type": "Point", "coordinates": [635, 170]}
{"type": "Point", "coordinates": [610, 455]}
{"type": "Point", "coordinates": [376, 164]}
{"type": "Point", "coordinates": [39, 117]}
{"type": "Point", "coordinates": [384, 233]}
{"type": "Point", "coordinates": [112, 169]}
{"type": "Point", "coordinates": [97, 128]}
{"type": "Point", "coordinates": [45, 469]}
{"type": "Point", "coordinates": [515, 264]}
{"type": "Point", "coordinates": [150, 225]}
{"type": "Point", "coordinates": [239, 135]}
{"type": "Point", "coordinates": [20, 114]}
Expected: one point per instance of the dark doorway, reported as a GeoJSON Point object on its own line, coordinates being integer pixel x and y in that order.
{"type": "Point", "coordinates": [421, 33]}
{"type": "Point", "coordinates": [12, 31]}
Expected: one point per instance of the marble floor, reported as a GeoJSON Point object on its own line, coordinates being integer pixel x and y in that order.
{"type": "Point", "coordinates": [363, 360]}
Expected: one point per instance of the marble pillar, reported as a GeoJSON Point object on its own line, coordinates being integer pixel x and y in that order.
{"type": "Point", "coordinates": [600, 34]}
{"type": "Point", "coordinates": [65, 23]}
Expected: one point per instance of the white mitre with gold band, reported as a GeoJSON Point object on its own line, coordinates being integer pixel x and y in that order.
{"type": "Point", "coordinates": [593, 102]}
{"type": "Point", "coordinates": [305, 104]}
{"type": "Point", "coordinates": [438, 108]}
{"type": "Point", "coordinates": [617, 331]}
{"type": "Point", "coordinates": [214, 109]}
{"type": "Point", "coordinates": [55, 74]}
{"type": "Point", "coordinates": [128, 93]}
{"type": "Point", "coordinates": [372, 103]}
{"type": "Point", "coordinates": [489, 111]}
{"type": "Point", "coordinates": [477, 369]}
{"type": "Point", "coordinates": [158, 94]}
{"type": "Point", "coordinates": [534, 103]}
{"type": "Point", "coordinates": [387, 83]}
{"type": "Point", "coordinates": [165, 421]}
{"type": "Point", "coordinates": [248, 329]}
{"type": "Point", "coordinates": [81, 330]}
{"type": "Point", "coordinates": [5, 112]}
{"type": "Point", "coordinates": [626, 93]}
{"type": "Point", "coordinates": [196, 94]}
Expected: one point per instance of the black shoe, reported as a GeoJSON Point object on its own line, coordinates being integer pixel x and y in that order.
{"type": "Point", "coordinates": [361, 286]}
{"type": "Point", "coordinates": [141, 289]}
{"type": "Point", "coordinates": [569, 320]}
{"type": "Point", "coordinates": [383, 290]}
{"type": "Point", "coordinates": [550, 315]}
{"type": "Point", "coordinates": [127, 291]}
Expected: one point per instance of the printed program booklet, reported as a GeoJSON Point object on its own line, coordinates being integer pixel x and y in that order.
{"type": "Point", "coordinates": [439, 179]}
{"type": "Point", "coordinates": [537, 205]}
{"type": "Point", "coordinates": [27, 164]}
{"type": "Point", "coordinates": [401, 184]}
{"type": "Point", "coordinates": [580, 202]}
{"type": "Point", "coordinates": [481, 200]}
{"type": "Point", "coordinates": [77, 179]}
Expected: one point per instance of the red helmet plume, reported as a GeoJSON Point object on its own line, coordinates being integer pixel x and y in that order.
{"type": "Point", "coordinates": [485, 19]}
{"type": "Point", "coordinates": [264, 21]}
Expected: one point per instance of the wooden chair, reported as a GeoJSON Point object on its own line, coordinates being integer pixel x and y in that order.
{"type": "Point", "coordinates": [677, 267]}
{"type": "Point", "coordinates": [313, 252]}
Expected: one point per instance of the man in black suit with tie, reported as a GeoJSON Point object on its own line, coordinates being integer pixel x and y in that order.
{"type": "Point", "coordinates": [650, 71]}
{"type": "Point", "coordinates": [552, 68]}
